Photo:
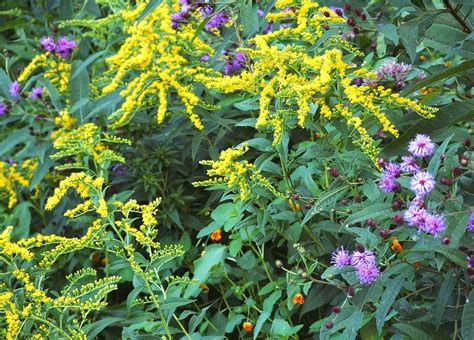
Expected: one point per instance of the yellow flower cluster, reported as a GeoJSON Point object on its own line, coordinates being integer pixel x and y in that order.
{"type": "Point", "coordinates": [86, 140]}
{"type": "Point", "coordinates": [92, 238]}
{"type": "Point", "coordinates": [9, 178]}
{"type": "Point", "coordinates": [57, 71]}
{"type": "Point", "coordinates": [79, 181]}
{"type": "Point", "coordinates": [288, 78]}
{"type": "Point", "coordinates": [10, 249]}
{"type": "Point", "coordinates": [234, 173]}
{"type": "Point", "coordinates": [156, 52]}
{"type": "Point", "coordinates": [64, 121]}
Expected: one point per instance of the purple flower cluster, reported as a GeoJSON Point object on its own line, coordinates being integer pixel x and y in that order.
{"type": "Point", "coordinates": [363, 262]}
{"type": "Point", "coordinates": [64, 46]}
{"type": "Point", "coordinates": [119, 169]}
{"type": "Point", "coordinates": [234, 63]}
{"type": "Point", "coordinates": [388, 183]}
{"type": "Point", "coordinates": [421, 183]}
{"type": "Point", "coordinates": [421, 146]}
{"type": "Point", "coordinates": [36, 92]}
{"type": "Point", "coordinates": [15, 89]}
{"type": "Point", "coordinates": [470, 224]}
{"type": "Point", "coordinates": [217, 21]}
{"type": "Point", "coordinates": [205, 10]}
{"type": "Point", "coordinates": [393, 71]}
{"type": "Point", "coordinates": [3, 109]}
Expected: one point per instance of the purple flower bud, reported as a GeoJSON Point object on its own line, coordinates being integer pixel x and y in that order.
{"type": "Point", "coordinates": [260, 12]}
{"type": "Point", "coordinates": [333, 172]}
{"type": "Point", "coordinates": [205, 57]}
{"type": "Point", "coordinates": [15, 89]}
{"type": "Point", "coordinates": [47, 44]}
{"type": "Point", "coordinates": [3, 109]}
{"type": "Point", "coordinates": [36, 92]}
{"type": "Point", "coordinates": [65, 46]}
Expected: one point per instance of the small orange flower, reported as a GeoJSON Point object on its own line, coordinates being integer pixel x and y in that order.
{"type": "Point", "coordinates": [298, 299]}
{"type": "Point", "coordinates": [423, 91]}
{"type": "Point", "coordinates": [293, 205]}
{"type": "Point", "coordinates": [317, 135]}
{"type": "Point", "coordinates": [216, 236]}
{"type": "Point", "coordinates": [247, 326]}
{"type": "Point", "coordinates": [396, 245]}
{"type": "Point", "coordinates": [204, 287]}
{"type": "Point", "coordinates": [417, 264]}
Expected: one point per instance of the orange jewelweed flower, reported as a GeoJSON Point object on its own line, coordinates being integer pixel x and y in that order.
{"type": "Point", "coordinates": [293, 205]}
{"type": "Point", "coordinates": [247, 326]}
{"type": "Point", "coordinates": [298, 299]}
{"type": "Point", "coordinates": [423, 91]}
{"type": "Point", "coordinates": [216, 235]}
{"type": "Point", "coordinates": [396, 245]}
{"type": "Point", "coordinates": [204, 287]}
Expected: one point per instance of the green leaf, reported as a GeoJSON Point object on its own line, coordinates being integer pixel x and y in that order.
{"type": "Point", "coordinates": [93, 329]}
{"type": "Point", "coordinates": [446, 116]}
{"type": "Point", "coordinates": [227, 215]}
{"type": "Point", "coordinates": [249, 17]}
{"type": "Point", "coordinates": [23, 215]}
{"type": "Point", "coordinates": [150, 7]}
{"type": "Point", "coordinates": [353, 324]}
{"type": "Point", "coordinates": [13, 139]}
{"type": "Point", "coordinates": [214, 254]}
{"type": "Point", "coordinates": [372, 211]}
{"type": "Point", "coordinates": [436, 159]}
{"type": "Point", "coordinates": [388, 297]}
{"type": "Point", "coordinates": [268, 305]}
{"type": "Point", "coordinates": [390, 31]}
{"type": "Point", "coordinates": [408, 32]}
{"type": "Point", "coordinates": [281, 328]}
{"type": "Point", "coordinates": [445, 291]}
{"type": "Point", "coordinates": [467, 321]}
{"type": "Point", "coordinates": [457, 227]}
{"type": "Point", "coordinates": [79, 88]}
{"type": "Point", "coordinates": [460, 69]}
{"type": "Point", "coordinates": [86, 63]}
{"type": "Point", "coordinates": [412, 331]}
{"type": "Point", "coordinates": [371, 190]}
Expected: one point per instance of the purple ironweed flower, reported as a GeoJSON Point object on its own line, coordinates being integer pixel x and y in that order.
{"type": "Point", "coordinates": [15, 89]}
{"type": "Point", "coordinates": [367, 273]}
{"type": "Point", "coordinates": [415, 214]}
{"type": "Point", "coordinates": [119, 169]}
{"type": "Point", "coordinates": [341, 258]}
{"type": "Point", "coordinates": [234, 64]}
{"type": "Point", "coordinates": [409, 164]}
{"type": "Point", "coordinates": [357, 81]}
{"type": "Point", "coordinates": [422, 183]}
{"type": "Point", "coordinates": [65, 46]}
{"type": "Point", "coordinates": [206, 10]}
{"type": "Point", "coordinates": [3, 108]}
{"type": "Point", "coordinates": [470, 261]}
{"type": "Point", "coordinates": [183, 2]}
{"type": "Point", "coordinates": [392, 169]}
{"type": "Point", "coordinates": [388, 183]}
{"type": "Point", "coordinates": [217, 21]}
{"type": "Point", "coordinates": [421, 146]}
{"type": "Point", "coordinates": [48, 44]}
{"type": "Point", "coordinates": [205, 57]}
{"type": "Point", "coordinates": [397, 72]}
{"type": "Point", "coordinates": [268, 28]}
{"type": "Point", "coordinates": [260, 12]}
{"type": "Point", "coordinates": [470, 224]}
{"type": "Point", "coordinates": [434, 225]}
{"type": "Point", "coordinates": [36, 92]}
{"type": "Point", "coordinates": [359, 258]}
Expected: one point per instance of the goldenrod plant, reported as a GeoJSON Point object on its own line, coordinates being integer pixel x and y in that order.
{"type": "Point", "coordinates": [287, 169]}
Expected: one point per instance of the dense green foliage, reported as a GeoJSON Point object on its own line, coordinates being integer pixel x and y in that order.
{"type": "Point", "coordinates": [190, 169]}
